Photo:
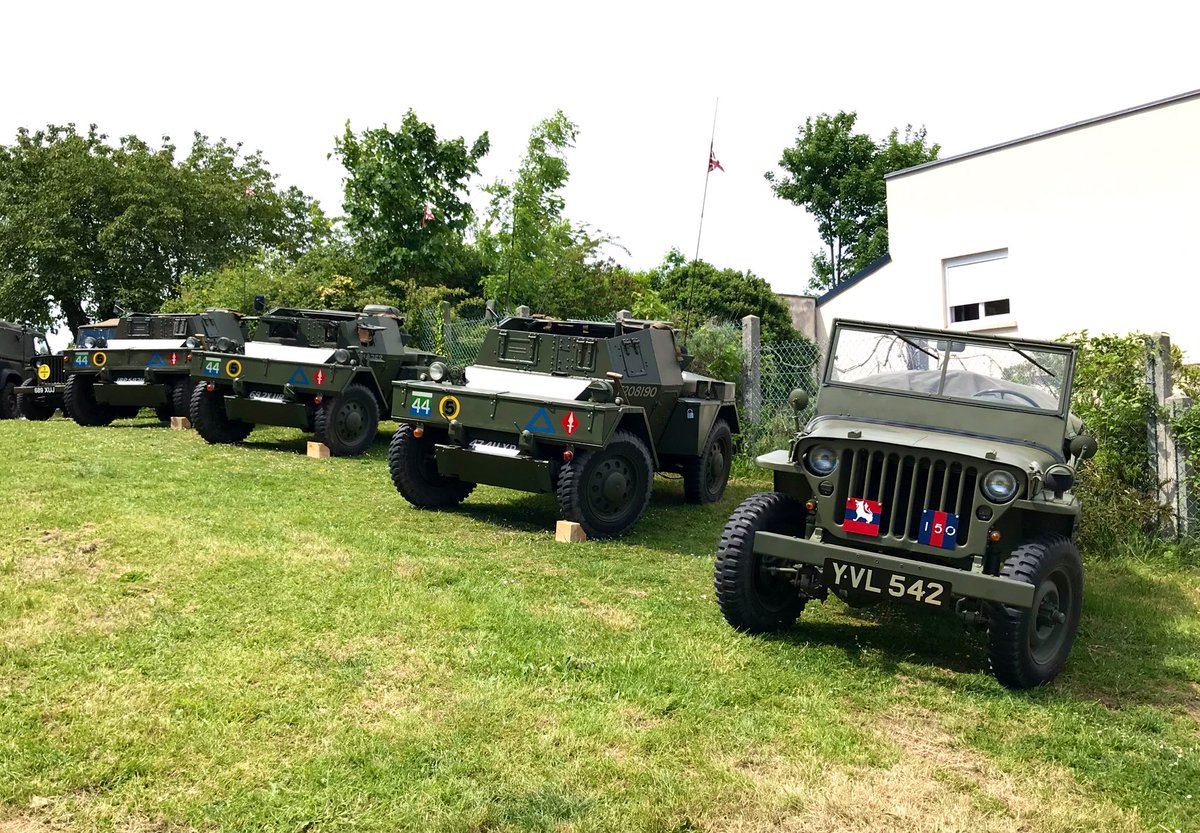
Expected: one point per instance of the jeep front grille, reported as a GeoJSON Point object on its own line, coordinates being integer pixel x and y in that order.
{"type": "Point", "coordinates": [58, 373]}
{"type": "Point", "coordinates": [906, 485]}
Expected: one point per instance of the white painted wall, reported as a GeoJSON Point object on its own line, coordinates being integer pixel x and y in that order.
{"type": "Point", "coordinates": [1101, 225]}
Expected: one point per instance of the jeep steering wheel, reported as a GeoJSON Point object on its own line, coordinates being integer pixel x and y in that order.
{"type": "Point", "coordinates": [1003, 393]}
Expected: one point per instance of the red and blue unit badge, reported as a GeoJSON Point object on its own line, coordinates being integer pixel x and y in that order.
{"type": "Point", "coordinates": [938, 529]}
{"type": "Point", "coordinates": [862, 516]}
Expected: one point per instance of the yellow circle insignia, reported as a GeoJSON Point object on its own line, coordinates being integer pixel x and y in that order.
{"type": "Point", "coordinates": [233, 367]}
{"type": "Point", "coordinates": [448, 407]}
{"type": "Point", "coordinates": [99, 359]}
{"type": "Point", "coordinates": [43, 372]}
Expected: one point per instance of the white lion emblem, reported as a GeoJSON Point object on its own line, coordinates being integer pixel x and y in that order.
{"type": "Point", "coordinates": [862, 513]}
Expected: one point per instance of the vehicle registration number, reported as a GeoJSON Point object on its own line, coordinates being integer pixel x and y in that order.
{"type": "Point", "coordinates": [886, 583]}
{"type": "Point", "coordinates": [44, 389]}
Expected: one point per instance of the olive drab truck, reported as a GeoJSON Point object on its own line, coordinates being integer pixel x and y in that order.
{"type": "Point", "coordinates": [586, 410]}
{"type": "Point", "coordinates": [20, 346]}
{"type": "Point", "coordinates": [41, 393]}
{"type": "Point", "coordinates": [936, 471]}
{"type": "Point", "coordinates": [146, 364]}
{"type": "Point", "coordinates": [323, 371]}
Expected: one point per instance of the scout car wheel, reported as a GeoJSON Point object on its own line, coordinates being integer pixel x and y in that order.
{"type": "Point", "coordinates": [8, 401]}
{"type": "Point", "coordinates": [79, 397]}
{"type": "Point", "coordinates": [752, 597]}
{"type": "Point", "coordinates": [705, 476]}
{"type": "Point", "coordinates": [181, 397]}
{"type": "Point", "coordinates": [607, 490]}
{"type": "Point", "coordinates": [415, 475]}
{"type": "Point", "coordinates": [1029, 648]}
{"type": "Point", "coordinates": [349, 422]}
{"type": "Point", "coordinates": [32, 409]}
{"type": "Point", "coordinates": [207, 413]}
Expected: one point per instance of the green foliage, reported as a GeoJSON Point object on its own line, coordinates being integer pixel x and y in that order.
{"type": "Point", "coordinates": [838, 176]}
{"type": "Point", "coordinates": [717, 348]}
{"type": "Point", "coordinates": [722, 294]}
{"type": "Point", "coordinates": [86, 226]}
{"type": "Point", "coordinates": [390, 178]}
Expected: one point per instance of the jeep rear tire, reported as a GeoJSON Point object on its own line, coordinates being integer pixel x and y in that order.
{"type": "Point", "coordinates": [413, 467]}
{"type": "Point", "coordinates": [1028, 648]}
{"type": "Point", "coordinates": [8, 400]}
{"type": "Point", "coordinates": [751, 597]}
{"type": "Point", "coordinates": [705, 476]}
{"type": "Point", "coordinates": [606, 491]}
{"type": "Point", "coordinates": [207, 413]}
{"type": "Point", "coordinates": [348, 422]}
{"type": "Point", "coordinates": [79, 398]}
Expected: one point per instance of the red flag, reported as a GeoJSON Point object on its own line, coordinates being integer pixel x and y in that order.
{"type": "Point", "coordinates": [712, 161]}
{"type": "Point", "coordinates": [428, 215]}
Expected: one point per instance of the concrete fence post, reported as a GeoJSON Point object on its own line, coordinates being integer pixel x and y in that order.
{"type": "Point", "coordinates": [622, 314]}
{"type": "Point", "coordinates": [447, 329]}
{"type": "Point", "coordinates": [752, 382]}
{"type": "Point", "coordinates": [1177, 406]}
{"type": "Point", "coordinates": [1161, 440]}
{"type": "Point", "coordinates": [490, 313]}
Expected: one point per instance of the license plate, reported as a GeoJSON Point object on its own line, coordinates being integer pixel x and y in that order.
{"type": "Point", "coordinates": [887, 584]}
{"type": "Point", "coordinates": [44, 389]}
{"type": "Point", "coordinates": [495, 449]}
{"type": "Point", "coordinates": [265, 396]}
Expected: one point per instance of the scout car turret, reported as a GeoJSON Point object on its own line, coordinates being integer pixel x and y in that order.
{"type": "Point", "coordinates": [144, 365]}
{"type": "Point", "coordinates": [20, 345]}
{"type": "Point", "coordinates": [937, 470]}
{"type": "Point", "coordinates": [584, 409]}
{"type": "Point", "coordinates": [318, 370]}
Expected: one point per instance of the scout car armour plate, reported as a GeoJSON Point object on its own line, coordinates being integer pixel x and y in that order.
{"type": "Point", "coordinates": [879, 582]}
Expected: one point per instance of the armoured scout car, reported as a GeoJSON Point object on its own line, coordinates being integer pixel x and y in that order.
{"type": "Point", "coordinates": [144, 365]}
{"type": "Point", "coordinates": [937, 470]}
{"type": "Point", "coordinates": [21, 347]}
{"type": "Point", "coordinates": [586, 410]}
{"type": "Point", "coordinates": [318, 370]}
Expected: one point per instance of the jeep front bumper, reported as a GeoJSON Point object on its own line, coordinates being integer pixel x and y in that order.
{"type": "Point", "coordinates": [964, 582]}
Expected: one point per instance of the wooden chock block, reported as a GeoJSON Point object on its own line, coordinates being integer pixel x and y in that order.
{"type": "Point", "coordinates": [569, 532]}
{"type": "Point", "coordinates": [181, 424]}
{"type": "Point", "coordinates": [318, 451]}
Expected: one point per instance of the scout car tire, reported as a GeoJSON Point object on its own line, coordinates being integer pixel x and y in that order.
{"type": "Point", "coordinates": [705, 476]}
{"type": "Point", "coordinates": [181, 397]}
{"type": "Point", "coordinates": [348, 423]}
{"type": "Point", "coordinates": [207, 413]}
{"type": "Point", "coordinates": [751, 599]}
{"type": "Point", "coordinates": [415, 475]}
{"type": "Point", "coordinates": [79, 398]}
{"type": "Point", "coordinates": [1028, 648]}
{"type": "Point", "coordinates": [8, 401]}
{"type": "Point", "coordinates": [607, 490]}
{"type": "Point", "coordinates": [32, 409]}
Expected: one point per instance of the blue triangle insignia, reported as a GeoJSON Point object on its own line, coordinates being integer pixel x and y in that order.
{"type": "Point", "coordinates": [156, 361]}
{"type": "Point", "coordinates": [299, 377]}
{"type": "Point", "coordinates": [540, 424]}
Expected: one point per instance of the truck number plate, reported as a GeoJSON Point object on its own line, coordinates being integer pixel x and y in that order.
{"type": "Point", "coordinates": [886, 583]}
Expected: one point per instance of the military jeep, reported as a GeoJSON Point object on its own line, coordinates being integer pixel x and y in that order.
{"type": "Point", "coordinates": [41, 394]}
{"type": "Point", "coordinates": [144, 365]}
{"type": "Point", "coordinates": [936, 470]}
{"type": "Point", "coordinates": [322, 371]}
{"type": "Point", "coordinates": [586, 410]}
{"type": "Point", "coordinates": [20, 347]}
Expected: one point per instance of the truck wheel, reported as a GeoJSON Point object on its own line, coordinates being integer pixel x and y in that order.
{"type": "Point", "coordinates": [705, 476]}
{"type": "Point", "coordinates": [1028, 648]}
{"type": "Point", "coordinates": [79, 399]}
{"type": "Point", "coordinates": [32, 409]}
{"type": "Point", "coordinates": [415, 475]}
{"type": "Point", "coordinates": [8, 401]}
{"type": "Point", "coordinates": [607, 490]}
{"type": "Point", "coordinates": [348, 423]}
{"type": "Point", "coordinates": [752, 598]}
{"type": "Point", "coordinates": [181, 396]}
{"type": "Point", "coordinates": [207, 413]}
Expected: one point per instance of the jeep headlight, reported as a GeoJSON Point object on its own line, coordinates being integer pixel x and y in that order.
{"type": "Point", "coordinates": [999, 486]}
{"type": "Point", "coordinates": [438, 371]}
{"type": "Point", "coordinates": [822, 460]}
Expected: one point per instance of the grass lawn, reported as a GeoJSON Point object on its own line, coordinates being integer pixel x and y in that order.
{"type": "Point", "coordinates": [241, 638]}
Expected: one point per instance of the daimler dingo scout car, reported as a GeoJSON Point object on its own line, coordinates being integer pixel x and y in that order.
{"type": "Point", "coordinates": [937, 471]}
{"type": "Point", "coordinates": [317, 370]}
{"type": "Point", "coordinates": [20, 345]}
{"type": "Point", "coordinates": [144, 365]}
{"type": "Point", "coordinates": [583, 409]}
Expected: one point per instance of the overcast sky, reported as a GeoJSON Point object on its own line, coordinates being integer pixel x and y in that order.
{"type": "Point", "coordinates": [640, 79]}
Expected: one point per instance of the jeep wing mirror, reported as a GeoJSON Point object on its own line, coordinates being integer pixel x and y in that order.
{"type": "Point", "coordinates": [1083, 446]}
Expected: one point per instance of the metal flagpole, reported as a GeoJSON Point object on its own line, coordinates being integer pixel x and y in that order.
{"type": "Point", "coordinates": [687, 324]}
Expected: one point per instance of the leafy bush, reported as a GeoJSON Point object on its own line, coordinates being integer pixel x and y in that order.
{"type": "Point", "coordinates": [717, 348]}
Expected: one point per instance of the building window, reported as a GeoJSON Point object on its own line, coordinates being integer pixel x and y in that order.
{"type": "Point", "coordinates": [976, 289]}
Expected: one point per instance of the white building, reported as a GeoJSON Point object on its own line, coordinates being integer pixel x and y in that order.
{"type": "Point", "coordinates": [1090, 226]}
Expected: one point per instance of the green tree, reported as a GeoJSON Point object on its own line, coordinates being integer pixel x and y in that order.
{"type": "Point", "coordinates": [391, 177]}
{"type": "Point", "coordinates": [86, 226]}
{"type": "Point", "coordinates": [838, 176]}
{"type": "Point", "coordinates": [698, 291]}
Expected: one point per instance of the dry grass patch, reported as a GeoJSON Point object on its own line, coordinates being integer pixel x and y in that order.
{"type": "Point", "coordinates": [610, 615]}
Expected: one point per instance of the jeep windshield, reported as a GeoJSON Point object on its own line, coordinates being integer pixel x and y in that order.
{"type": "Point", "coordinates": [981, 370]}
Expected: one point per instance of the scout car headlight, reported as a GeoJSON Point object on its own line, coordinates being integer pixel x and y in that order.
{"type": "Point", "coordinates": [89, 342]}
{"type": "Point", "coordinates": [225, 345]}
{"type": "Point", "coordinates": [822, 460]}
{"type": "Point", "coordinates": [192, 343]}
{"type": "Point", "coordinates": [438, 371]}
{"type": "Point", "coordinates": [999, 486]}
{"type": "Point", "coordinates": [341, 355]}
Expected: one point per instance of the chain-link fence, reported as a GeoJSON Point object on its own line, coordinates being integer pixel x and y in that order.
{"type": "Point", "coordinates": [773, 371]}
